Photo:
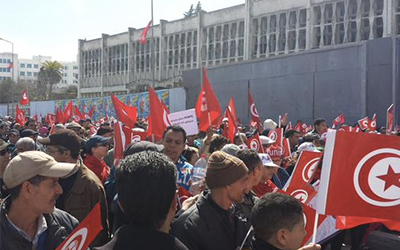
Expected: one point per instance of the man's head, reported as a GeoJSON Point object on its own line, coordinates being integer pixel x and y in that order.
{"type": "Point", "coordinates": [174, 141]}
{"type": "Point", "coordinates": [30, 133]}
{"type": "Point", "coordinates": [278, 220]}
{"type": "Point", "coordinates": [13, 136]}
{"type": "Point", "coordinates": [5, 156]}
{"type": "Point", "coordinates": [254, 164]}
{"type": "Point", "coordinates": [4, 128]}
{"type": "Point", "coordinates": [239, 139]}
{"type": "Point", "coordinates": [269, 166]}
{"type": "Point", "coordinates": [320, 126]}
{"type": "Point", "coordinates": [105, 132]}
{"type": "Point", "coordinates": [63, 145]}
{"type": "Point", "coordinates": [227, 173]}
{"type": "Point", "coordinates": [32, 178]}
{"type": "Point", "coordinates": [78, 129]}
{"type": "Point", "coordinates": [97, 146]}
{"type": "Point", "coordinates": [25, 144]}
{"type": "Point", "coordinates": [146, 186]}
{"type": "Point", "coordinates": [31, 124]}
{"type": "Point", "coordinates": [293, 136]}
{"type": "Point", "coordinates": [217, 143]}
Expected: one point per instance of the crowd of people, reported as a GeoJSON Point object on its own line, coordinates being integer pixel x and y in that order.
{"type": "Point", "coordinates": [158, 197]}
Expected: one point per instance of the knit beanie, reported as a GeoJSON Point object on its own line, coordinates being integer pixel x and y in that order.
{"type": "Point", "coordinates": [224, 169]}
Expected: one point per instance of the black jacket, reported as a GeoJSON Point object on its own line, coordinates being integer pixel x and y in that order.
{"type": "Point", "coordinates": [206, 226]}
{"type": "Point", "coordinates": [59, 225]}
{"type": "Point", "coordinates": [259, 244]}
{"type": "Point", "coordinates": [130, 237]}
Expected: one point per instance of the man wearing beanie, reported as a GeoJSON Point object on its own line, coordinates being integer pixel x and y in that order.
{"type": "Point", "coordinates": [211, 222]}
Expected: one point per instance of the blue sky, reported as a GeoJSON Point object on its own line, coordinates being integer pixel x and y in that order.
{"type": "Point", "coordinates": [53, 27]}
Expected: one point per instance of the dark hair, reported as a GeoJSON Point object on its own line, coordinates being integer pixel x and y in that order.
{"type": "Point", "coordinates": [310, 138]}
{"type": "Point", "coordinates": [291, 132]}
{"type": "Point", "coordinates": [189, 152]}
{"type": "Point", "coordinates": [176, 128]}
{"type": "Point", "coordinates": [217, 142]}
{"type": "Point", "coordinates": [318, 121]}
{"type": "Point", "coordinates": [14, 192]}
{"type": "Point", "coordinates": [146, 186]}
{"type": "Point", "coordinates": [29, 121]}
{"type": "Point", "coordinates": [273, 212]}
{"type": "Point", "coordinates": [250, 158]}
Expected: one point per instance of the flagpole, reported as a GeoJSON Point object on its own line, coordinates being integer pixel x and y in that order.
{"type": "Point", "coordinates": [152, 48]}
{"type": "Point", "coordinates": [314, 237]}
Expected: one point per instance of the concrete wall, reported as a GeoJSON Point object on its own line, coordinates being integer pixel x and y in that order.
{"type": "Point", "coordinates": [355, 80]}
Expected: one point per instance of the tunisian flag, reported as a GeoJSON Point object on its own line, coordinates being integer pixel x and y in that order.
{"type": "Point", "coordinates": [158, 119]}
{"type": "Point", "coordinates": [232, 108]}
{"type": "Point", "coordinates": [208, 109]}
{"type": "Point", "coordinates": [232, 127]}
{"type": "Point", "coordinates": [78, 113]}
{"type": "Point", "coordinates": [24, 99]}
{"type": "Point", "coordinates": [389, 119]}
{"type": "Point", "coordinates": [338, 120]}
{"type": "Point", "coordinates": [20, 116]}
{"type": "Point", "coordinates": [277, 136]}
{"type": "Point", "coordinates": [68, 111]}
{"type": "Point", "coordinates": [362, 171]}
{"type": "Point", "coordinates": [85, 233]}
{"type": "Point", "coordinates": [122, 138]}
{"type": "Point", "coordinates": [125, 114]}
{"type": "Point", "coordinates": [254, 143]}
{"type": "Point", "coordinates": [255, 117]}
{"type": "Point", "coordinates": [143, 39]}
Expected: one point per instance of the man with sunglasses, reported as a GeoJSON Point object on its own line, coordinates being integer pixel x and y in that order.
{"type": "Point", "coordinates": [82, 189]}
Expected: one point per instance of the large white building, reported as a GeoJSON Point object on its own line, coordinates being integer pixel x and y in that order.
{"type": "Point", "coordinates": [28, 69]}
{"type": "Point", "coordinates": [254, 30]}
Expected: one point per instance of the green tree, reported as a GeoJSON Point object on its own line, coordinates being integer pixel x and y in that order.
{"type": "Point", "coordinates": [6, 86]}
{"type": "Point", "coordinates": [50, 73]}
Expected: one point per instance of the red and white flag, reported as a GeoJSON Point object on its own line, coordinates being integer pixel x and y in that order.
{"type": "Point", "coordinates": [362, 171]}
{"type": "Point", "coordinates": [255, 117]}
{"type": "Point", "coordinates": [85, 233]}
{"type": "Point", "coordinates": [78, 113]}
{"type": "Point", "coordinates": [20, 116]}
{"type": "Point", "coordinates": [126, 114]}
{"type": "Point", "coordinates": [122, 138]}
{"type": "Point", "coordinates": [254, 143]}
{"type": "Point", "coordinates": [143, 38]}
{"type": "Point", "coordinates": [289, 126]}
{"type": "Point", "coordinates": [389, 119]}
{"type": "Point", "coordinates": [372, 124]}
{"type": "Point", "coordinates": [10, 65]}
{"type": "Point", "coordinates": [286, 148]}
{"type": "Point", "coordinates": [349, 129]}
{"type": "Point", "coordinates": [277, 136]}
{"type": "Point", "coordinates": [208, 109]}
{"type": "Point", "coordinates": [346, 222]}
{"type": "Point", "coordinates": [24, 99]}
{"type": "Point", "coordinates": [68, 112]}
{"type": "Point", "coordinates": [158, 120]}
{"type": "Point", "coordinates": [338, 120]}
{"type": "Point", "coordinates": [232, 108]}
{"type": "Point", "coordinates": [59, 116]}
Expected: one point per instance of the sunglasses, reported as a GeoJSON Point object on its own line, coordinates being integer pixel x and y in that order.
{"type": "Point", "coordinates": [4, 152]}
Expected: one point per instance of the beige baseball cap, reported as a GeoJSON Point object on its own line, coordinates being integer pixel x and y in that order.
{"type": "Point", "coordinates": [29, 164]}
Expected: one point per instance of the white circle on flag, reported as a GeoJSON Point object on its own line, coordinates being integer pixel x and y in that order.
{"type": "Point", "coordinates": [77, 240]}
{"type": "Point", "coordinates": [308, 170]}
{"type": "Point", "coordinates": [253, 110]}
{"type": "Point", "coordinates": [274, 136]}
{"type": "Point", "coordinates": [305, 220]}
{"type": "Point", "coordinates": [136, 138]}
{"type": "Point", "coordinates": [166, 119]}
{"type": "Point", "coordinates": [384, 197]}
{"type": "Point", "coordinates": [254, 144]}
{"type": "Point", "coordinates": [300, 194]}
{"type": "Point", "coordinates": [203, 102]}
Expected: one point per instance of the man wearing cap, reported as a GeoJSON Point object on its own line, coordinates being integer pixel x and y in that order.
{"type": "Point", "coordinates": [211, 223]}
{"type": "Point", "coordinates": [82, 189]}
{"type": "Point", "coordinates": [29, 219]}
{"type": "Point", "coordinates": [4, 130]}
{"type": "Point", "coordinates": [31, 124]}
{"type": "Point", "coordinates": [13, 137]}
{"type": "Point", "coordinates": [270, 168]}
{"type": "Point", "coordinates": [34, 135]}
{"type": "Point", "coordinates": [96, 149]}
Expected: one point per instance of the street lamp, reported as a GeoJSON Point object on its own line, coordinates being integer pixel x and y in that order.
{"type": "Point", "coordinates": [12, 74]}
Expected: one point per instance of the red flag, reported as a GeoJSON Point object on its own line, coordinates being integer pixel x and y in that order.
{"type": "Point", "coordinates": [364, 123]}
{"type": "Point", "coordinates": [68, 112]}
{"type": "Point", "coordinates": [10, 65]}
{"type": "Point", "coordinates": [86, 232]}
{"type": "Point", "coordinates": [349, 129]}
{"type": "Point", "coordinates": [232, 127]}
{"type": "Point", "coordinates": [93, 130]}
{"type": "Point", "coordinates": [24, 99]}
{"type": "Point", "coordinates": [78, 113]}
{"type": "Point", "coordinates": [254, 143]}
{"type": "Point", "coordinates": [20, 116]}
{"type": "Point", "coordinates": [158, 116]}
{"type": "Point", "coordinates": [125, 114]}
{"type": "Point", "coordinates": [289, 126]}
{"type": "Point", "coordinates": [301, 127]}
{"type": "Point", "coordinates": [346, 222]}
{"type": "Point", "coordinates": [305, 167]}
{"type": "Point", "coordinates": [208, 109]}
{"type": "Point", "coordinates": [143, 39]}
{"type": "Point", "coordinates": [232, 108]}
{"type": "Point", "coordinates": [286, 148]}
{"type": "Point", "coordinates": [139, 136]}
{"type": "Point", "coordinates": [255, 117]}
{"type": "Point", "coordinates": [372, 124]}
{"type": "Point", "coordinates": [59, 116]}
{"type": "Point", "coordinates": [338, 120]}
{"type": "Point", "coordinates": [389, 119]}
{"type": "Point", "coordinates": [277, 136]}
{"type": "Point", "coordinates": [122, 137]}
{"type": "Point", "coordinates": [362, 170]}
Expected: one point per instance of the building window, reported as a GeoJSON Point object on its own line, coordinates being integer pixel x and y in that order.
{"type": "Point", "coordinates": [75, 67]}
{"type": "Point", "coordinates": [35, 73]}
{"type": "Point", "coordinates": [36, 66]}
{"type": "Point", "coordinates": [22, 73]}
{"type": "Point", "coordinates": [22, 65]}
{"type": "Point", "coordinates": [29, 65]}
{"type": "Point", "coordinates": [29, 73]}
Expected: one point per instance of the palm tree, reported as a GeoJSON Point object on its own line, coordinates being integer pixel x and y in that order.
{"type": "Point", "coordinates": [50, 73]}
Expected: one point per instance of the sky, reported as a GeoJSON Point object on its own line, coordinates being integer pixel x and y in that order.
{"type": "Point", "coordinates": [53, 27]}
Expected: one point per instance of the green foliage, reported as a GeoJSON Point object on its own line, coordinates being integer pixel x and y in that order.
{"type": "Point", "coordinates": [50, 73]}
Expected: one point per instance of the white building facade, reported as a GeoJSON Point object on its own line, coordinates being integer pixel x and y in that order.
{"type": "Point", "coordinates": [257, 29]}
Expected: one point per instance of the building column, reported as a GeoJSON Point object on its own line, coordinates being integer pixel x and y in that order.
{"type": "Point", "coordinates": [80, 66]}
{"type": "Point", "coordinates": [247, 29]}
{"type": "Point", "coordinates": [104, 38]}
